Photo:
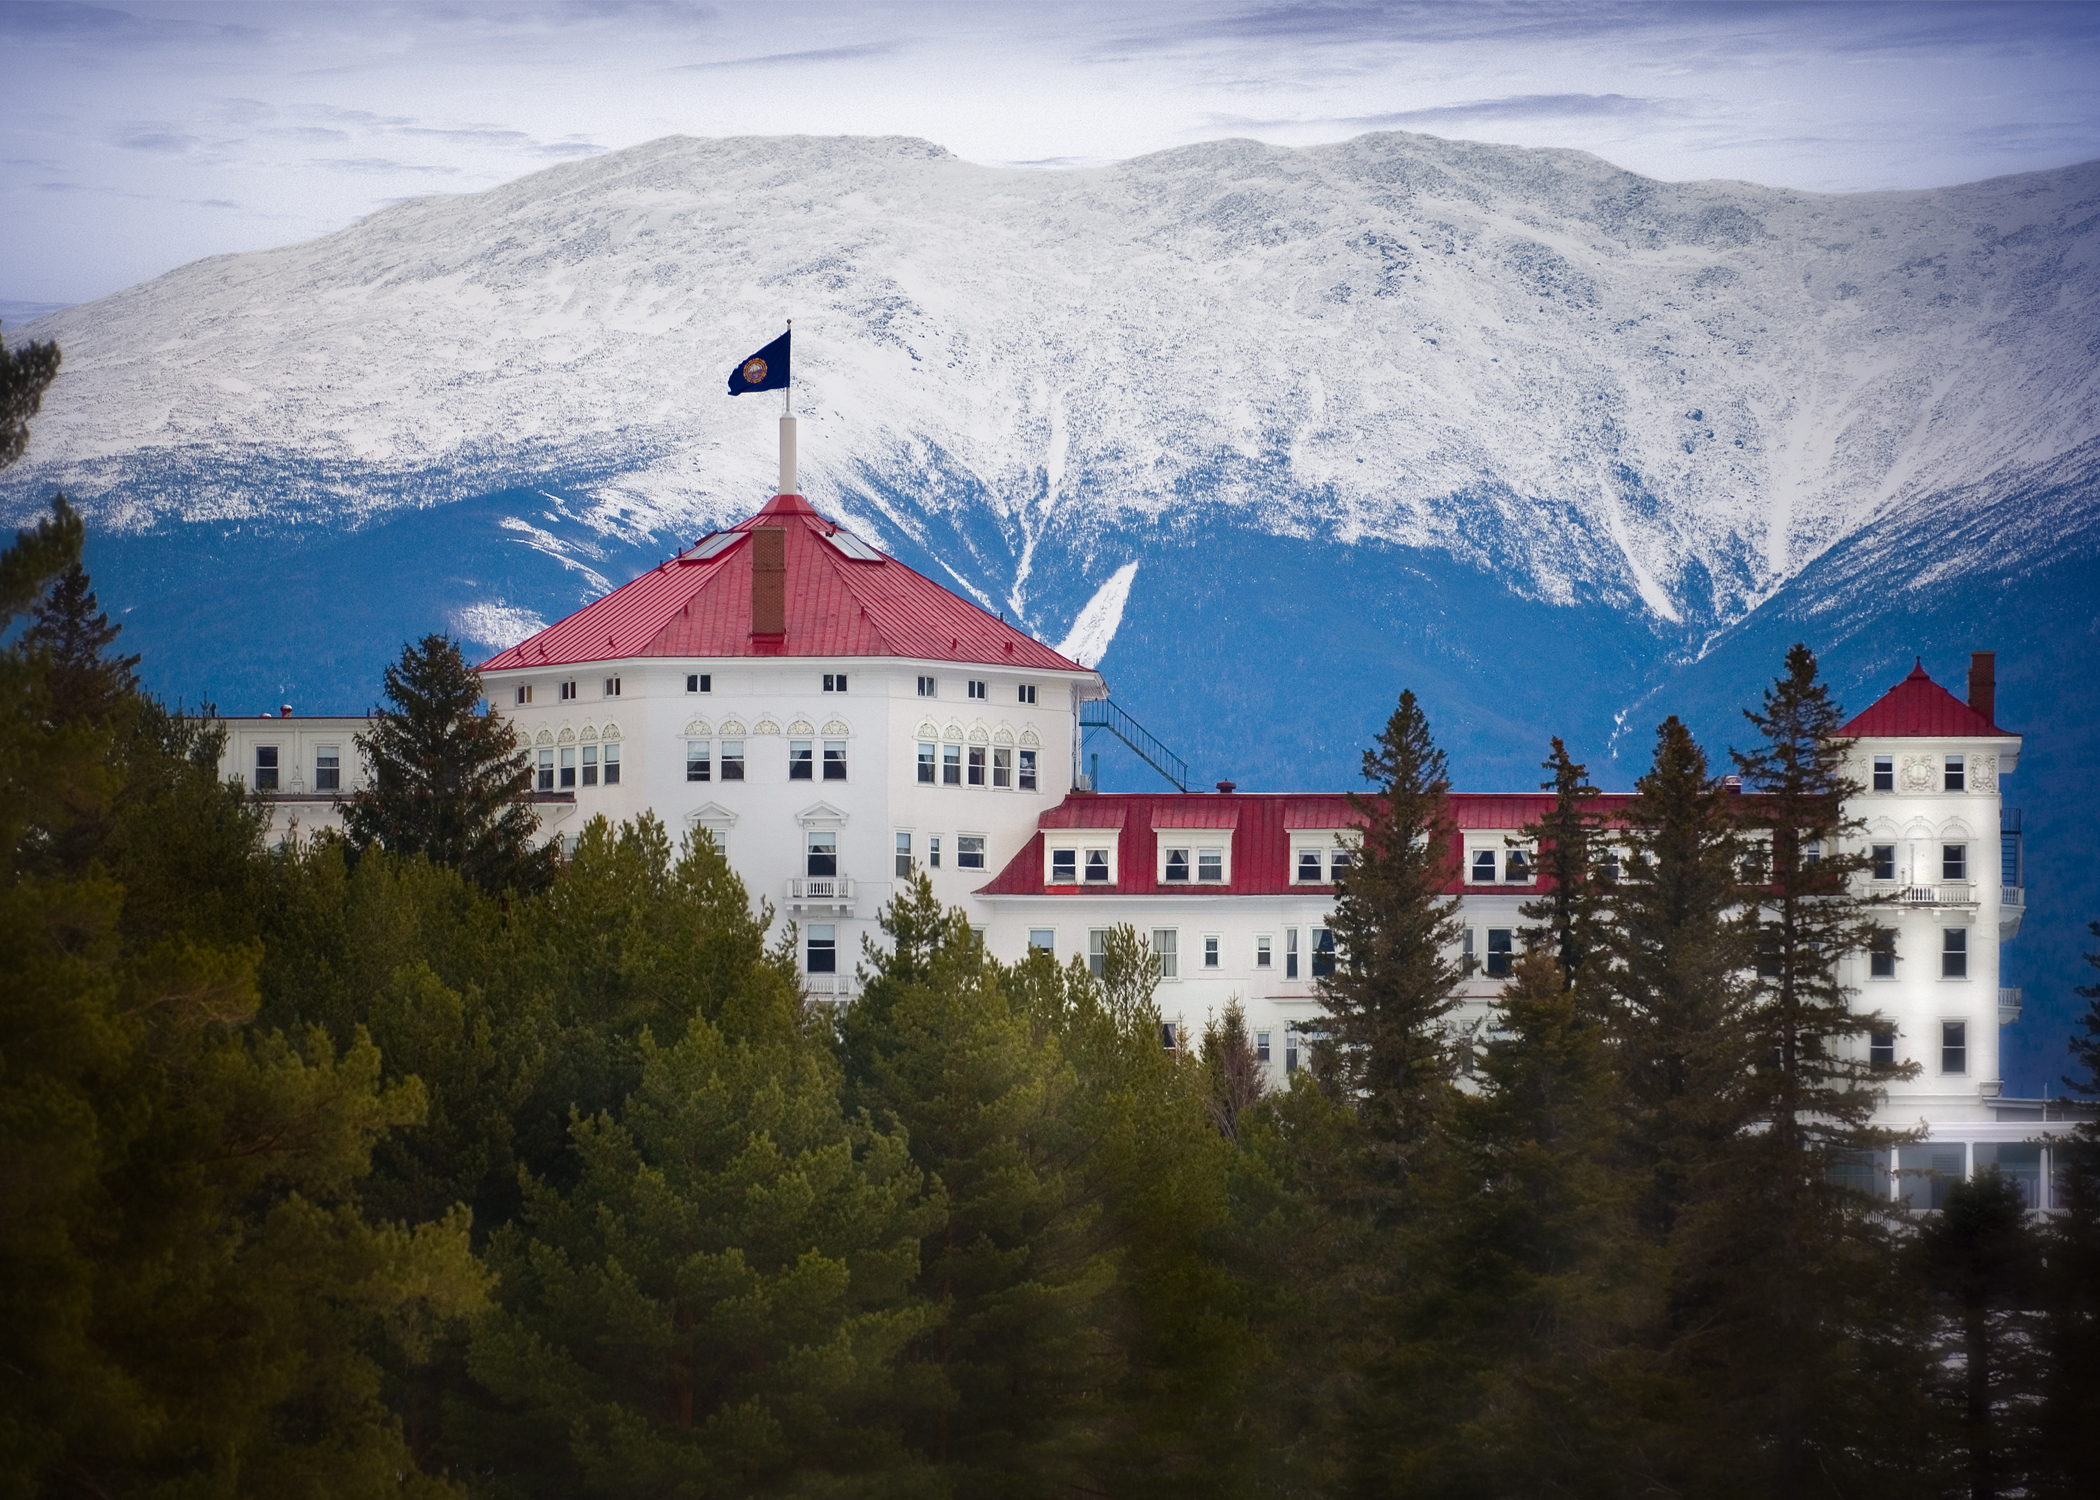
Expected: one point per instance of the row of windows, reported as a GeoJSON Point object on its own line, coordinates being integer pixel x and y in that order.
{"type": "Point", "coordinates": [1190, 865]}
{"type": "Point", "coordinates": [976, 688]}
{"type": "Point", "coordinates": [1954, 774]}
{"type": "Point", "coordinates": [1923, 1172]}
{"type": "Point", "coordinates": [328, 768]}
{"type": "Point", "coordinates": [1166, 950]}
{"type": "Point", "coordinates": [830, 682]}
{"type": "Point", "coordinates": [570, 690]}
{"type": "Point", "coordinates": [1954, 861]}
{"type": "Point", "coordinates": [969, 853]}
{"type": "Point", "coordinates": [595, 758]}
{"type": "Point", "coordinates": [1954, 953]}
{"type": "Point", "coordinates": [701, 763]}
{"type": "Point", "coordinates": [998, 766]}
{"type": "Point", "coordinates": [1954, 1048]}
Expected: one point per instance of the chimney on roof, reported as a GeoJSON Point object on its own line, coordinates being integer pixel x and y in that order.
{"type": "Point", "coordinates": [285, 712]}
{"type": "Point", "coordinates": [1227, 788]}
{"type": "Point", "coordinates": [769, 579]}
{"type": "Point", "coordinates": [1731, 783]}
{"type": "Point", "coordinates": [1983, 684]}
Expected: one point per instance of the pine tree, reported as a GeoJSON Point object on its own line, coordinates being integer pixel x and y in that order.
{"type": "Point", "coordinates": [24, 373]}
{"type": "Point", "coordinates": [1568, 840]}
{"type": "Point", "coordinates": [1232, 1074]}
{"type": "Point", "coordinates": [447, 781]}
{"type": "Point", "coordinates": [2071, 1286]}
{"type": "Point", "coordinates": [74, 634]}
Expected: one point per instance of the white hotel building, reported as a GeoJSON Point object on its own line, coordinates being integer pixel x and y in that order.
{"type": "Point", "coordinates": [836, 721]}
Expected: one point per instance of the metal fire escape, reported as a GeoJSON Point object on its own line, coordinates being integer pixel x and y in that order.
{"type": "Point", "coordinates": [1104, 713]}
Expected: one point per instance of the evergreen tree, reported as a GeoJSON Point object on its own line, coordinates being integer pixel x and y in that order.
{"type": "Point", "coordinates": [1232, 1073]}
{"type": "Point", "coordinates": [2071, 1284]}
{"type": "Point", "coordinates": [1568, 839]}
{"type": "Point", "coordinates": [24, 373]}
{"type": "Point", "coordinates": [448, 781]}
{"type": "Point", "coordinates": [74, 634]}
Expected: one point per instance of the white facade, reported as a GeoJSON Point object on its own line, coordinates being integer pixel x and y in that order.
{"type": "Point", "coordinates": [299, 766]}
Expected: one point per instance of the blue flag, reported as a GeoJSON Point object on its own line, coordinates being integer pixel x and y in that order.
{"type": "Point", "coordinates": [766, 370]}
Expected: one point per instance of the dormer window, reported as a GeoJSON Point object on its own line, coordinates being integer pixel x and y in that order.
{"type": "Point", "coordinates": [1309, 867]}
{"type": "Point", "coordinates": [1177, 867]}
{"type": "Point", "coordinates": [1483, 870]}
{"type": "Point", "coordinates": [1210, 866]}
{"type": "Point", "coordinates": [1516, 870]}
{"type": "Point", "coordinates": [1097, 871]}
{"type": "Point", "coordinates": [1064, 867]}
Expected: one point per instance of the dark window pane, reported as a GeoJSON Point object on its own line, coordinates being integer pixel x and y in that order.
{"type": "Point", "coordinates": [925, 764]}
{"type": "Point", "coordinates": [1027, 770]}
{"type": "Point", "coordinates": [1064, 866]}
{"type": "Point", "coordinates": [1177, 865]}
{"type": "Point", "coordinates": [1954, 953]}
{"type": "Point", "coordinates": [1884, 861]}
{"type": "Point", "coordinates": [801, 767]}
{"type": "Point", "coordinates": [1501, 948]}
{"type": "Point", "coordinates": [1954, 861]}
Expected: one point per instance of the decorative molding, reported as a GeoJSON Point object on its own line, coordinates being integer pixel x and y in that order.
{"type": "Point", "coordinates": [1921, 773]}
{"type": "Point", "coordinates": [544, 737]}
{"type": "Point", "coordinates": [821, 816]}
{"type": "Point", "coordinates": [801, 726]}
{"type": "Point", "coordinates": [698, 729]}
{"type": "Point", "coordinates": [1983, 772]}
{"type": "Point", "coordinates": [1002, 736]}
{"type": "Point", "coordinates": [979, 735]}
{"type": "Point", "coordinates": [836, 729]}
{"type": "Point", "coordinates": [765, 726]}
{"type": "Point", "coordinates": [610, 732]}
{"type": "Point", "coordinates": [589, 734]}
{"type": "Point", "coordinates": [929, 730]}
{"type": "Point", "coordinates": [713, 815]}
{"type": "Point", "coordinates": [1029, 740]}
{"type": "Point", "coordinates": [954, 731]}
{"type": "Point", "coordinates": [566, 737]}
{"type": "Point", "coordinates": [733, 728]}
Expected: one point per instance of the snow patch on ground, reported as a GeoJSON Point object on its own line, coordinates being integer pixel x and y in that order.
{"type": "Point", "coordinates": [1095, 629]}
{"type": "Point", "coordinates": [494, 624]}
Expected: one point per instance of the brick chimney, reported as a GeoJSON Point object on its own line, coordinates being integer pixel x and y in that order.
{"type": "Point", "coordinates": [1983, 684]}
{"type": "Point", "coordinates": [768, 581]}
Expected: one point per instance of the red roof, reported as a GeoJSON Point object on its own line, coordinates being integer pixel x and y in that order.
{"type": "Point", "coordinates": [1919, 708]}
{"type": "Point", "coordinates": [838, 604]}
{"type": "Point", "coordinates": [1260, 828]}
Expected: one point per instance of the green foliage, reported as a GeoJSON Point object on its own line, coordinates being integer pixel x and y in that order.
{"type": "Point", "coordinates": [2071, 1285]}
{"type": "Point", "coordinates": [24, 373]}
{"type": "Point", "coordinates": [1569, 840]}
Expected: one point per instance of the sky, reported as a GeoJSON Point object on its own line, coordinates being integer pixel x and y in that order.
{"type": "Point", "coordinates": [136, 138]}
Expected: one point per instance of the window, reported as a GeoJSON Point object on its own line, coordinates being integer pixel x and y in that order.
{"type": "Point", "coordinates": [612, 687]}
{"type": "Point", "coordinates": [1263, 956]}
{"type": "Point", "coordinates": [1290, 953]}
{"type": "Point", "coordinates": [1954, 861]}
{"type": "Point", "coordinates": [590, 765]}
{"type": "Point", "coordinates": [732, 760]}
{"type": "Point", "coordinates": [928, 688]}
{"type": "Point", "coordinates": [1927, 1171]}
{"type": "Point", "coordinates": [612, 765]}
{"type": "Point", "coordinates": [1957, 774]}
{"type": "Point", "coordinates": [821, 855]}
{"type": "Point", "coordinates": [1608, 866]}
{"type": "Point", "coordinates": [933, 852]}
{"type": "Point", "coordinates": [1003, 769]}
{"type": "Point", "coordinates": [1210, 953]}
{"type": "Point", "coordinates": [1166, 952]}
{"type": "Point", "coordinates": [266, 768]}
{"type": "Point", "coordinates": [1097, 867]}
{"type": "Point", "coordinates": [1261, 1046]}
{"type": "Point", "coordinates": [951, 765]}
{"type": "Point", "coordinates": [1064, 867]}
{"type": "Point", "coordinates": [1322, 952]}
{"type": "Point", "coordinates": [834, 760]}
{"type": "Point", "coordinates": [1466, 953]}
{"type": "Point", "coordinates": [1027, 692]}
{"type": "Point", "coordinates": [545, 781]}
{"type": "Point", "coordinates": [1954, 953]}
{"type": "Point", "coordinates": [525, 694]}
{"type": "Point", "coordinates": [1884, 856]}
{"type": "Point", "coordinates": [1338, 864]}
{"type": "Point", "coordinates": [699, 682]}
{"type": "Point", "coordinates": [1027, 770]}
{"type": "Point", "coordinates": [1517, 868]}
{"type": "Point", "coordinates": [834, 682]}
{"type": "Point", "coordinates": [976, 688]}
{"type": "Point", "coordinates": [977, 765]}
{"type": "Point", "coordinates": [568, 691]}
{"type": "Point", "coordinates": [1210, 866]}
{"type": "Point", "coordinates": [1881, 1049]}
{"type": "Point", "coordinates": [1812, 852]}
{"type": "Point", "coordinates": [1044, 938]}
{"type": "Point", "coordinates": [1177, 868]}
{"type": "Point", "coordinates": [1954, 1046]}
{"type": "Point", "coordinates": [925, 763]}
{"type": "Point", "coordinates": [2020, 1165]}
{"type": "Point", "coordinates": [1483, 872]}
{"type": "Point", "coordinates": [1097, 951]}
{"type": "Point", "coordinates": [1884, 773]}
{"type": "Point", "coordinates": [1166, 1035]}
{"type": "Point", "coordinates": [969, 851]}
{"type": "Point", "coordinates": [328, 768]}
{"type": "Point", "coordinates": [568, 768]}
{"type": "Point", "coordinates": [1881, 953]}
{"type": "Point", "coordinates": [823, 948]}
{"type": "Point", "coordinates": [801, 767]}
{"type": "Point", "coordinates": [698, 766]}
{"type": "Point", "coordinates": [903, 856]}
{"type": "Point", "coordinates": [1501, 949]}
{"type": "Point", "coordinates": [1309, 867]}
{"type": "Point", "coordinates": [1290, 1049]}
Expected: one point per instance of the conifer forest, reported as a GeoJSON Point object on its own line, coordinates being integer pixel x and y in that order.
{"type": "Point", "coordinates": [422, 1162]}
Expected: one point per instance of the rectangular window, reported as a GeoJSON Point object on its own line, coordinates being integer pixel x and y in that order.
{"type": "Point", "coordinates": [1210, 953]}
{"type": "Point", "coordinates": [1290, 1049]}
{"type": "Point", "coordinates": [834, 682]}
{"type": "Point", "coordinates": [933, 852]}
{"type": "Point", "coordinates": [1027, 770]}
{"type": "Point", "coordinates": [568, 768]}
{"type": "Point", "coordinates": [732, 760]}
{"type": "Point", "coordinates": [612, 687]}
{"type": "Point", "coordinates": [1261, 1046]}
{"type": "Point", "coordinates": [328, 768]}
{"type": "Point", "coordinates": [590, 765]}
{"type": "Point", "coordinates": [1309, 867]}
{"type": "Point", "coordinates": [568, 691]}
{"type": "Point", "coordinates": [976, 688]}
{"type": "Point", "coordinates": [1338, 864]}
{"type": "Point", "coordinates": [2020, 1165]}
{"type": "Point", "coordinates": [1166, 952]}
{"type": "Point", "coordinates": [266, 768]}
{"type": "Point", "coordinates": [903, 856]}
{"type": "Point", "coordinates": [969, 851]}
{"type": "Point", "coordinates": [1097, 867]}
{"type": "Point", "coordinates": [698, 765]}
{"type": "Point", "coordinates": [823, 948]}
{"type": "Point", "coordinates": [545, 782]}
{"type": "Point", "coordinates": [1884, 773]}
{"type": "Point", "coordinates": [1097, 951]}
{"type": "Point", "coordinates": [1957, 774]}
{"type": "Point", "coordinates": [821, 855]}
{"type": "Point", "coordinates": [699, 682]}
{"type": "Point", "coordinates": [1177, 869]}
{"type": "Point", "coordinates": [801, 765]}
{"type": "Point", "coordinates": [1954, 953]}
{"type": "Point", "coordinates": [834, 760]}
{"type": "Point", "coordinates": [1881, 953]}
{"type": "Point", "coordinates": [977, 765]}
{"type": "Point", "coordinates": [928, 688]}
{"type": "Point", "coordinates": [1262, 951]}
{"type": "Point", "coordinates": [1003, 768]}
{"type": "Point", "coordinates": [1608, 866]}
{"type": "Point", "coordinates": [1166, 1035]}
{"type": "Point", "coordinates": [1322, 952]}
{"type": "Point", "coordinates": [925, 763]}
{"type": "Point", "coordinates": [1210, 866]}
{"type": "Point", "coordinates": [1290, 953]}
{"type": "Point", "coordinates": [1027, 692]}
{"type": "Point", "coordinates": [1064, 867]}
{"type": "Point", "coordinates": [1884, 856]}
{"type": "Point", "coordinates": [1466, 953]}
{"type": "Point", "coordinates": [1483, 872]}
{"type": "Point", "coordinates": [1954, 861]}
{"type": "Point", "coordinates": [612, 765]}
{"type": "Point", "coordinates": [951, 765]}
{"type": "Point", "coordinates": [1881, 1049]}
{"type": "Point", "coordinates": [1517, 868]}
{"type": "Point", "coordinates": [1928, 1170]}
{"type": "Point", "coordinates": [525, 694]}
{"type": "Point", "coordinates": [1501, 950]}
{"type": "Point", "coordinates": [1954, 1046]}
{"type": "Point", "coordinates": [1044, 938]}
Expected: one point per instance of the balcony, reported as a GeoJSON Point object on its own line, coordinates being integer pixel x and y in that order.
{"type": "Point", "coordinates": [1956, 893]}
{"type": "Point", "coordinates": [831, 989]}
{"type": "Point", "coordinates": [2012, 905]}
{"type": "Point", "coordinates": [832, 894]}
{"type": "Point", "coordinates": [2008, 1006]}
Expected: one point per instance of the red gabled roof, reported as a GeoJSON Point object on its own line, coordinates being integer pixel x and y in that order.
{"type": "Point", "coordinates": [837, 605]}
{"type": "Point", "coordinates": [1919, 708]}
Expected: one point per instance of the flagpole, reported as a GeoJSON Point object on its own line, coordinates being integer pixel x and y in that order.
{"type": "Point", "coordinates": [788, 481]}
